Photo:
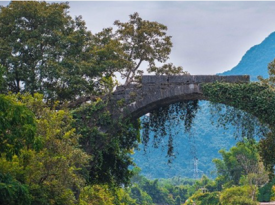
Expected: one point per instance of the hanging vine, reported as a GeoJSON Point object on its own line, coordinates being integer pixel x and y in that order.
{"type": "Point", "coordinates": [254, 98]}
{"type": "Point", "coordinates": [246, 125]}
{"type": "Point", "coordinates": [161, 121]}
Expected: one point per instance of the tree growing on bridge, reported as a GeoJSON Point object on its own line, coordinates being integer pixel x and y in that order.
{"type": "Point", "coordinates": [144, 41]}
{"type": "Point", "coordinates": [140, 41]}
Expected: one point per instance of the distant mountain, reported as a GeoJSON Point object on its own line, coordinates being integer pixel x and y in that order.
{"type": "Point", "coordinates": [256, 60]}
{"type": "Point", "coordinates": [206, 139]}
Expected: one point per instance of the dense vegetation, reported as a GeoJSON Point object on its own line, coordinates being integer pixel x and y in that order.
{"type": "Point", "coordinates": [54, 150]}
{"type": "Point", "coordinates": [240, 173]}
{"type": "Point", "coordinates": [59, 142]}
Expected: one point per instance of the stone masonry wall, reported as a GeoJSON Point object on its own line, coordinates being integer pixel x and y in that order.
{"type": "Point", "coordinates": [155, 91]}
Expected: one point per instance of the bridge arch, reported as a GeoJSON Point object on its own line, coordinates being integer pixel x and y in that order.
{"type": "Point", "coordinates": [158, 91]}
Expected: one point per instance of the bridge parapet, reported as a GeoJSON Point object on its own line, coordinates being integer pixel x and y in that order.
{"type": "Point", "coordinates": [187, 79]}
{"type": "Point", "coordinates": [157, 91]}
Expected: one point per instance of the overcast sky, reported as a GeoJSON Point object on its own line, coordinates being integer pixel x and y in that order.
{"type": "Point", "coordinates": [208, 37]}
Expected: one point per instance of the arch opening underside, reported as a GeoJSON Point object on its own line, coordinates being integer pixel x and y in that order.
{"type": "Point", "coordinates": [206, 132]}
{"type": "Point", "coordinates": [203, 142]}
{"type": "Point", "coordinates": [139, 109]}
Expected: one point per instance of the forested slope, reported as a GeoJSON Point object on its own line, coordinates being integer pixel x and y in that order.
{"type": "Point", "coordinates": [256, 59]}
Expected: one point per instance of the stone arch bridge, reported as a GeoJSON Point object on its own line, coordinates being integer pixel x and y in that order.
{"type": "Point", "coordinates": [136, 100]}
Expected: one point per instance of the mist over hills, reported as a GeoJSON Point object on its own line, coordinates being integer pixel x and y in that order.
{"type": "Point", "coordinates": [206, 139]}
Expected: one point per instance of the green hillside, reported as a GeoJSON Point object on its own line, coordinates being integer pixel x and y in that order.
{"type": "Point", "coordinates": [256, 59]}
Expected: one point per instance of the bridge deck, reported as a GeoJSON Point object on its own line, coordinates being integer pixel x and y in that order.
{"type": "Point", "coordinates": [189, 79]}
{"type": "Point", "coordinates": [160, 90]}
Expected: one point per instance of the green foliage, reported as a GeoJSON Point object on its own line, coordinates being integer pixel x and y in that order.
{"type": "Point", "coordinates": [265, 191]}
{"type": "Point", "coordinates": [208, 198]}
{"type": "Point", "coordinates": [159, 123]}
{"type": "Point", "coordinates": [266, 147]}
{"type": "Point", "coordinates": [238, 196]}
{"type": "Point", "coordinates": [110, 149]}
{"type": "Point", "coordinates": [143, 41]}
{"type": "Point", "coordinates": [13, 192]}
{"type": "Point", "coordinates": [140, 196]}
{"type": "Point", "coordinates": [164, 191]}
{"type": "Point", "coordinates": [99, 195]}
{"type": "Point", "coordinates": [45, 50]}
{"type": "Point", "coordinates": [17, 127]}
{"type": "Point", "coordinates": [131, 44]}
{"type": "Point", "coordinates": [256, 99]}
{"type": "Point", "coordinates": [239, 160]}
{"type": "Point", "coordinates": [51, 174]}
{"type": "Point", "coordinates": [55, 170]}
{"type": "Point", "coordinates": [253, 98]}
{"type": "Point", "coordinates": [168, 69]}
{"type": "Point", "coordinates": [124, 198]}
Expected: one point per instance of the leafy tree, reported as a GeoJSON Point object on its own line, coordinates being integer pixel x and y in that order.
{"type": "Point", "coordinates": [266, 147]}
{"type": "Point", "coordinates": [238, 196]}
{"type": "Point", "coordinates": [140, 196]}
{"type": "Point", "coordinates": [17, 132]}
{"type": "Point", "coordinates": [110, 150]}
{"type": "Point", "coordinates": [17, 127]}
{"type": "Point", "coordinates": [265, 191]}
{"type": "Point", "coordinates": [52, 174]}
{"type": "Point", "coordinates": [156, 192]}
{"type": "Point", "coordinates": [124, 198]}
{"type": "Point", "coordinates": [208, 198]}
{"type": "Point", "coordinates": [239, 160]}
{"type": "Point", "coordinates": [142, 41]}
{"type": "Point", "coordinates": [45, 50]}
{"type": "Point", "coordinates": [136, 42]}
{"type": "Point", "coordinates": [96, 195]}
{"type": "Point", "coordinates": [255, 179]}
{"type": "Point", "coordinates": [12, 191]}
